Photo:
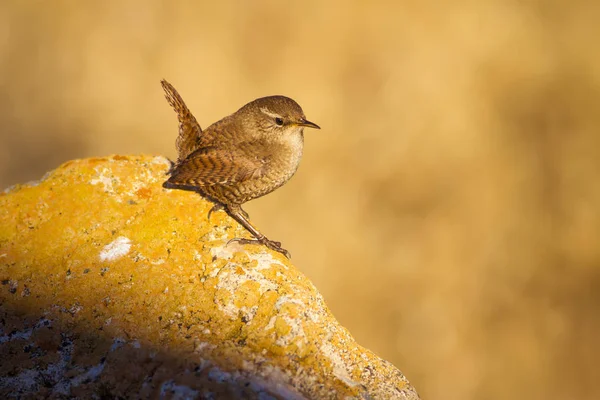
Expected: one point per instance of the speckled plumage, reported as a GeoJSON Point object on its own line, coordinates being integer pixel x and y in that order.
{"type": "Point", "coordinates": [245, 155]}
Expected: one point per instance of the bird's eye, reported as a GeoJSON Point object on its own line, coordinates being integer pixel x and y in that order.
{"type": "Point", "coordinates": [279, 121]}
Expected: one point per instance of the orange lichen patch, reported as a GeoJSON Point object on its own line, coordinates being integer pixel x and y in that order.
{"type": "Point", "coordinates": [126, 271]}
{"type": "Point", "coordinates": [143, 193]}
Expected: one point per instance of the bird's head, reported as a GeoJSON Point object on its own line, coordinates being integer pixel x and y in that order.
{"type": "Point", "coordinates": [276, 116]}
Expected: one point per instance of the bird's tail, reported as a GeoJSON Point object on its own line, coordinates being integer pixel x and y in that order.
{"type": "Point", "coordinates": [189, 129]}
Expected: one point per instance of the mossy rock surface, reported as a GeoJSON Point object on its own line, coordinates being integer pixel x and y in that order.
{"type": "Point", "coordinates": [113, 286]}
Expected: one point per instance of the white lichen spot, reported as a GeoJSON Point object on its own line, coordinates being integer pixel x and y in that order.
{"type": "Point", "coordinates": [91, 374]}
{"type": "Point", "coordinates": [105, 179]}
{"type": "Point", "coordinates": [61, 373]}
{"type": "Point", "coordinates": [117, 343]}
{"type": "Point", "coordinates": [197, 255]}
{"type": "Point", "coordinates": [296, 334]}
{"type": "Point", "coordinates": [171, 390]}
{"type": "Point", "coordinates": [214, 272]}
{"type": "Point", "coordinates": [10, 189]}
{"type": "Point", "coordinates": [34, 183]}
{"type": "Point", "coordinates": [314, 317]}
{"type": "Point", "coordinates": [265, 388]}
{"type": "Point", "coordinates": [137, 185]}
{"type": "Point", "coordinates": [140, 181]}
{"type": "Point", "coordinates": [231, 280]}
{"type": "Point", "coordinates": [200, 347]}
{"type": "Point", "coordinates": [161, 160]}
{"type": "Point", "coordinates": [75, 308]}
{"type": "Point", "coordinates": [116, 249]}
{"type": "Point", "coordinates": [287, 299]}
{"type": "Point", "coordinates": [340, 370]}
{"type": "Point", "coordinates": [271, 323]}
{"type": "Point", "coordinates": [26, 333]}
{"type": "Point", "coordinates": [226, 251]}
{"type": "Point", "coordinates": [3, 255]}
{"type": "Point", "coordinates": [265, 260]}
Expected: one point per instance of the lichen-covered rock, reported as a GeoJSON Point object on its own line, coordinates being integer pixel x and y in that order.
{"type": "Point", "coordinates": [113, 286]}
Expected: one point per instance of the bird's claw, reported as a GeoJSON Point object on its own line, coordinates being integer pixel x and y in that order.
{"type": "Point", "coordinates": [216, 207]}
{"type": "Point", "coordinates": [271, 244]}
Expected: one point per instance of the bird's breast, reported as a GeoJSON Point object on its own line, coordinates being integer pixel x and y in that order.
{"type": "Point", "coordinates": [294, 145]}
{"type": "Point", "coordinates": [283, 161]}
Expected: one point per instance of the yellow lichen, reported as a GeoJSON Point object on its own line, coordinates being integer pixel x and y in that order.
{"type": "Point", "coordinates": [100, 246]}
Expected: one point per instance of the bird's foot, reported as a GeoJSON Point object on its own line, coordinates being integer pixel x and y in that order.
{"type": "Point", "coordinates": [271, 244]}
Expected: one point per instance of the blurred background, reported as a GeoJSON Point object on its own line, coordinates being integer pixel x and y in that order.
{"type": "Point", "coordinates": [448, 210]}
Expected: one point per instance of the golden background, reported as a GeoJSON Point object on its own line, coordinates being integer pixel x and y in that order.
{"type": "Point", "coordinates": [448, 210]}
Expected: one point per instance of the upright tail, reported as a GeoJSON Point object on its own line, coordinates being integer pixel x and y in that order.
{"type": "Point", "coordinates": [189, 129]}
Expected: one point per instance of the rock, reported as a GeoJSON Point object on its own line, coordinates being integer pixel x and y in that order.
{"type": "Point", "coordinates": [112, 286]}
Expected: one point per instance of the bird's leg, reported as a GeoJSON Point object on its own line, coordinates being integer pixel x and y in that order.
{"type": "Point", "coordinates": [219, 207]}
{"type": "Point", "coordinates": [236, 212]}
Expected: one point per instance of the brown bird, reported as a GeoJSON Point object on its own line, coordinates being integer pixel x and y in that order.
{"type": "Point", "coordinates": [243, 156]}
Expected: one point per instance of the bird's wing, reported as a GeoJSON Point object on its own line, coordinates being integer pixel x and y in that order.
{"type": "Point", "coordinates": [189, 129]}
{"type": "Point", "coordinates": [214, 166]}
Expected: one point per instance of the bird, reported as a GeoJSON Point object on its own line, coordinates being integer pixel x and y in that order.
{"type": "Point", "coordinates": [241, 157]}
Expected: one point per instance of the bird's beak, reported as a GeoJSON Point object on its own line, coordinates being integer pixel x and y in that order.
{"type": "Point", "coordinates": [308, 124]}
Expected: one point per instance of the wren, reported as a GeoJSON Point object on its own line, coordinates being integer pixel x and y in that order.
{"type": "Point", "coordinates": [245, 155]}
